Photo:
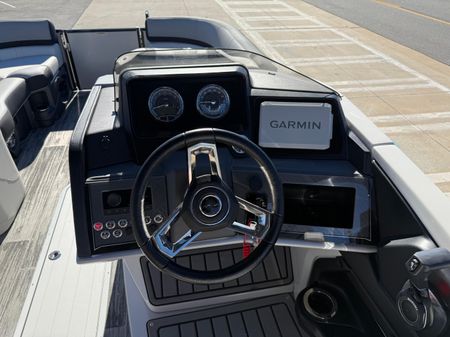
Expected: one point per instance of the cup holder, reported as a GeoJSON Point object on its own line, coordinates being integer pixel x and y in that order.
{"type": "Point", "coordinates": [320, 304]}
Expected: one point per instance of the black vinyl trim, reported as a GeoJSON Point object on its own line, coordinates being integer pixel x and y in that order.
{"type": "Point", "coordinates": [100, 30]}
{"type": "Point", "coordinates": [178, 39]}
{"type": "Point", "coordinates": [397, 220]}
{"type": "Point", "coordinates": [27, 43]}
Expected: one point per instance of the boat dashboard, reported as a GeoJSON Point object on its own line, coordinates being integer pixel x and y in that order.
{"type": "Point", "coordinates": [154, 95]}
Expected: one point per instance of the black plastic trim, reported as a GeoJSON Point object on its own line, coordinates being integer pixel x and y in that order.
{"type": "Point", "coordinates": [77, 166]}
{"type": "Point", "coordinates": [397, 219]}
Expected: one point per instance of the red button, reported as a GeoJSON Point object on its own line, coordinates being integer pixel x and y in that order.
{"type": "Point", "coordinates": [98, 226]}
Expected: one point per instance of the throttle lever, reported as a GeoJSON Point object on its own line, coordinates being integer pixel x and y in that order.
{"type": "Point", "coordinates": [417, 304]}
{"type": "Point", "coordinates": [422, 263]}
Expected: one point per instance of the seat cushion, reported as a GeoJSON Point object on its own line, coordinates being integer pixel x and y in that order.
{"type": "Point", "coordinates": [13, 93]}
{"type": "Point", "coordinates": [7, 67]}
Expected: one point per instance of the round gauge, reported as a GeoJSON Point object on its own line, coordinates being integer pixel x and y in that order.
{"type": "Point", "coordinates": [165, 104]}
{"type": "Point", "coordinates": [213, 101]}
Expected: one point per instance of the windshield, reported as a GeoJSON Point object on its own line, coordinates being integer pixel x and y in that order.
{"type": "Point", "coordinates": [170, 58]}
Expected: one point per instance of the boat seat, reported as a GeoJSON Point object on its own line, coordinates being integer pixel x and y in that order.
{"type": "Point", "coordinates": [36, 77]}
{"type": "Point", "coordinates": [13, 94]}
{"type": "Point", "coordinates": [48, 64]}
{"type": "Point", "coordinates": [11, 186]}
{"type": "Point", "coordinates": [29, 50]}
{"type": "Point", "coordinates": [26, 43]}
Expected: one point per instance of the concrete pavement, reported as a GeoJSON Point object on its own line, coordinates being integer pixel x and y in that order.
{"type": "Point", "coordinates": [421, 25]}
{"type": "Point", "coordinates": [62, 13]}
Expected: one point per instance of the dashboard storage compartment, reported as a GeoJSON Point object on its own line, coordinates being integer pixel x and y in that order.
{"type": "Point", "coordinates": [322, 206]}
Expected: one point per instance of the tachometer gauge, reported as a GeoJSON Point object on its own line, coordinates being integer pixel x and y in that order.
{"type": "Point", "coordinates": [213, 101]}
{"type": "Point", "coordinates": [165, 104]}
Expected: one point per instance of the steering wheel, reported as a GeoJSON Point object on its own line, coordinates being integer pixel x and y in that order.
{"type": "Point", "coordinates": [209, 205]}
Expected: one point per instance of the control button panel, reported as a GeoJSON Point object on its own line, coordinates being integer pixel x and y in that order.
{"type": "Point", "coordinates": [114, 230]}
{"type": "Point", "coordinates": [110, 210]}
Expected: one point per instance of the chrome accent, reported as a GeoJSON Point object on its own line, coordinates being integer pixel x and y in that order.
{"type": "Point", "coordinates": [226, 214]}
{"type": "Point", "coordinates": [111, 224]}
{"type": "Point", "coordinates": [237, 149]}
{"type": "Point", "coordinates": [312, 311]}
{"type": "Point", "coordinates": [164, 244]}
{"type": "Point", "coordinates": [203, 148]}
{"type": "Point", "coordinates": [158, 218]}
{"type": "Point", "coordinates": [105, 235]}
{"type": "Point", "coordinates": [55, 255]}
{"type": "Point", "coordinates": [256, 228]}
{"type": "Point", "coordinates": [122, 223]}
{"type": "Point", "coordinates": [200, 205]}
{"type": "Point", "coordinates": [405, 317]}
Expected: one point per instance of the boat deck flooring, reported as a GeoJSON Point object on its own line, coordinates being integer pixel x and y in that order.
{"type": "Point", "coordinates": [44, 168]}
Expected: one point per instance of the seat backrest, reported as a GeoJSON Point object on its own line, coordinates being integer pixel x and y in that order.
{"type": "Point", "coordinates": [197, 32]}
{"type": "Point", "coordinates": [28, 38]}
{"type": "Point", "coordinates": [27, 33]}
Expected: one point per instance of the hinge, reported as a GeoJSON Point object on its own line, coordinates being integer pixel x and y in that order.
{"type": "Point", "coordinates": [65, 43]}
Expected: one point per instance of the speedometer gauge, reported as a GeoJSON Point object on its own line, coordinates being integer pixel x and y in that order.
{"type": "Point", "coordinates": [213, 101]}
{"type": "Point", "coordinates": [165, 104]}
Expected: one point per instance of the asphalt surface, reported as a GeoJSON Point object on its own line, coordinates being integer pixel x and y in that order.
{"type": "Point", "coordinates": [417, 24]}
{"type": "Point", "coordinates": [64, 14]}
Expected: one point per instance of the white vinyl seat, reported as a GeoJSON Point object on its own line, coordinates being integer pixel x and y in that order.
{"type": "Point", "coordinates": [28, 43]}
{"type": "Point", "coordinates": [13, 94]}
{"type": "Point", "coordinates": [30, 50]}
{"type": "Point", "coordinates": [11, 187]}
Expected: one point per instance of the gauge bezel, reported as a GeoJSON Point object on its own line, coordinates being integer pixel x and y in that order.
{"type": "Point", "coordinates": [177, 96]}
{"type": "Point", "coordinates": [202, 93]}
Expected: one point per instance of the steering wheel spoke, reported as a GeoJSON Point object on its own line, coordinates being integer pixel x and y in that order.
{"type": "Point", "coordinates": [209, 149]}
{"type": "Point", "coordinates": [162, 236]}
{"type": "Point", "coordinates": [256, 227]}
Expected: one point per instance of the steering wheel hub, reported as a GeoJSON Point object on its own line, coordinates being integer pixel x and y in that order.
{"type": "Point", "coordinates": [209, 205]}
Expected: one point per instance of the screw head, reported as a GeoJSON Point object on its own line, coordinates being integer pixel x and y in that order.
{"type": "Point", "coordinates": [56, 254]}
